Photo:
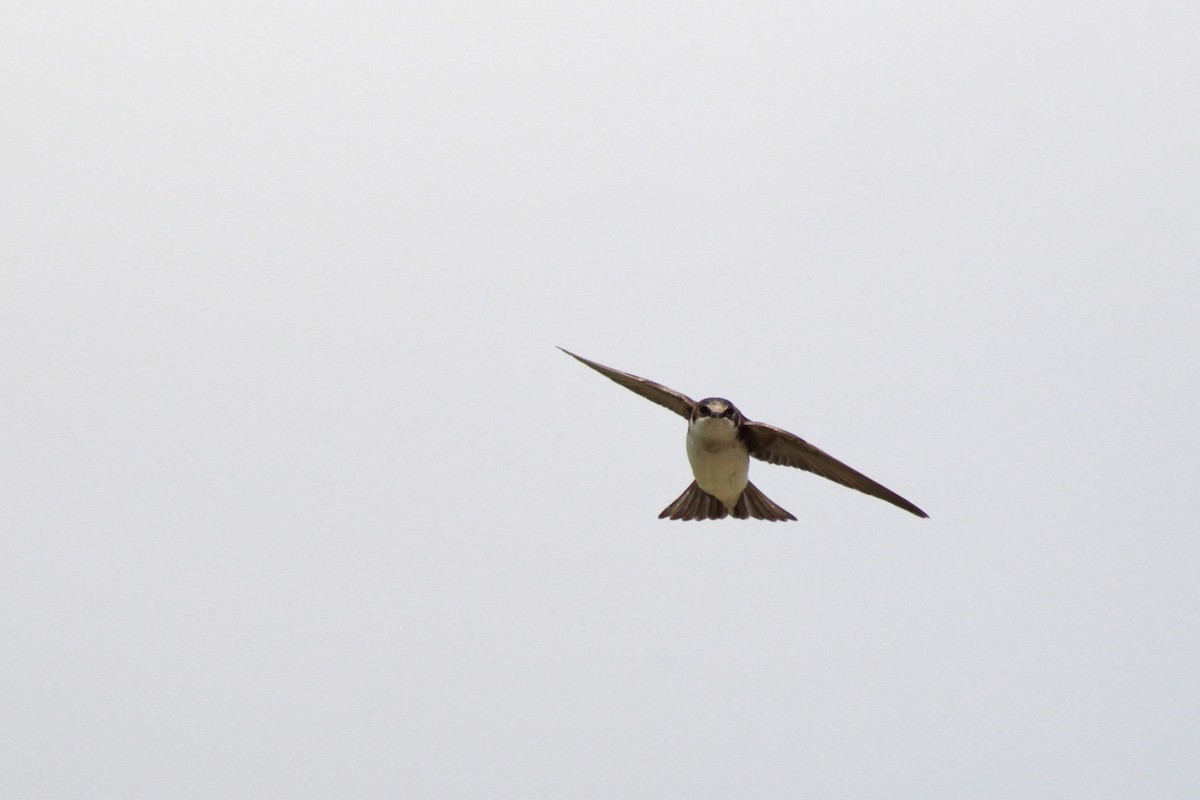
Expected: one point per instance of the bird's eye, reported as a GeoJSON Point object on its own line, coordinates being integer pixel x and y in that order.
{"type": "Point", "coordinates": [702, 410]}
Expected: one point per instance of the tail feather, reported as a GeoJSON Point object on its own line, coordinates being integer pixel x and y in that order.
{"type": "Point", "coordinates": [754, 503]}
{"type": "Point", "coordinates": [695, 503]}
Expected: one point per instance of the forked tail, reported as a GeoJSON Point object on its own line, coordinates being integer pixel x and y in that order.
{"type": "Point", "coordinates": [697, 504]}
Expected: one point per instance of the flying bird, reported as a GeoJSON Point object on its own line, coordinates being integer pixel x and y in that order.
{"type": "Point", "coordinates": [720, 441]}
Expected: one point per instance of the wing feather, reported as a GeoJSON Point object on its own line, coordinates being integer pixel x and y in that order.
{"type": "Point", "coordinates": [681, 404]}
{"type": "Point", "coordinates": [777, 446]}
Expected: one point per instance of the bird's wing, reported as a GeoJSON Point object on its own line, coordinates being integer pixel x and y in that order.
{"type": "Point", "coordinates": [776, 446]}
{"type": "Point", "coordinates": [681, 404]}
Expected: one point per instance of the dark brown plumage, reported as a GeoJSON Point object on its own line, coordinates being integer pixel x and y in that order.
{"type": "Point", "coordinates": [764, 442]}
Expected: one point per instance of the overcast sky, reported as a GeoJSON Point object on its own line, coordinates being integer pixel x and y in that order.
{"type": "Point", "coordinates": [301, 501]}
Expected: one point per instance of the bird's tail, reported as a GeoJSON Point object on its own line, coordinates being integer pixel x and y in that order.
{"type": "Point", "coordinates": [754, 503]}
{"type": "Point", "coordinates": [697, 504]}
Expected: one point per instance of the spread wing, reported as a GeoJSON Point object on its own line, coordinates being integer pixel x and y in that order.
{"type": "Point", "coordinates": [776, 446]}
{"type": "Point", "coordinates": [656, 393]}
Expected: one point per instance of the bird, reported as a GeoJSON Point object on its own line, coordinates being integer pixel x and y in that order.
{"type": "Point", "coordinates": [720, 442]}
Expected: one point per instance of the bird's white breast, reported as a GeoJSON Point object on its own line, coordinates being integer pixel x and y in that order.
{"type": "Point", "coordinates": [719, 460]}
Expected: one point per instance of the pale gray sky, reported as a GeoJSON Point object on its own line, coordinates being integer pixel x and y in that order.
{"type": "Point", "coordinates": [300, 500]}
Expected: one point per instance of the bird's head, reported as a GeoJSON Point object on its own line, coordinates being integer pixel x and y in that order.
{"type": "Point", "coordinates": [716, 408]}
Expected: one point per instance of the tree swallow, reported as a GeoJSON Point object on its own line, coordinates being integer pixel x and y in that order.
{"type": "Point", "coordinates": [720, 442]}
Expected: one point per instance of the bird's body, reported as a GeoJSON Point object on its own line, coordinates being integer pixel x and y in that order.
{"type": "Point", "coordinates": [720, 460]}
{"type": "Point", "coordinates": [720, 442]}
